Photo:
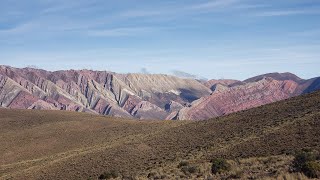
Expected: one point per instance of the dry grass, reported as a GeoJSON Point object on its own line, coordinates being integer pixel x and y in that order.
{"type": "Point", "coordinates": [68, 145]}
{"type": "Point", "coordinates": [264, 168]}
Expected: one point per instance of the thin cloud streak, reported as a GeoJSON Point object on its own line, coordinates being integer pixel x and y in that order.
{"type": "Point", "coordinates": [59, 6]}
{"type": "Point", "coordinates": [120, 32]}
{"type": "Point", "coordinates": [18, 29]}
{"type": "Point", "coordinates": [286, 13]}
{"type": "Point", "coordinates": [214, 4]}
{"type": "Point", "coordinates": [217, 5]}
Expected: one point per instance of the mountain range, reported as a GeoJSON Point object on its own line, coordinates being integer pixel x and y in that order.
{"type": "Point", "coordinates": [259, 143]}
{"type": "Point", "coordinates": [144, 96]}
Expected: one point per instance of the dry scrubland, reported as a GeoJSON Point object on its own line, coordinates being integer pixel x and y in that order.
{"type": "Point", "coordinates": [257, 143]}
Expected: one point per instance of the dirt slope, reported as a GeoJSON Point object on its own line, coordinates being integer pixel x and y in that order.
{"type": "Point", "coordinates": [68, 145]}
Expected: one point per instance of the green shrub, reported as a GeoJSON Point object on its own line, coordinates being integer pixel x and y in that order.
{"type": "Point", "coordinates": [109, 175]}
{"type": "Point", "coordinates": [306, 162]}
{"type": "Point", "coordinates": [219, 166]}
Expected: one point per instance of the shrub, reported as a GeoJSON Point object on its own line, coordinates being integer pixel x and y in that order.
{"type": "Point", "coordinates": [109, 175]}
{"type": "Point", "coordinates": [236, 175]}
{"type": "Point", "coordinates": [152, 175]}
{"type": "Point", "coordinates": [219, 166]}
{"type": "Point", "coordinates": [186, 168]}
{"type": "Point", "coordinates": [183, 163]}
{"type": "Point", "coordinates": [312, 169]}
{"type": "Point", "coordinates": [306, 162]}
{"type": "Point", "coordinates": [189, 169]}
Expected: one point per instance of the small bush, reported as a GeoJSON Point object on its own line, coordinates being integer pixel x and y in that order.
{"type": "Point", "coordinates": [306, 162]}
{"type": "Point", "coordinates": [312, 169]}
{"type": "Point", "coordinates": [152, 175]}
{"type": "Point", "coordinates": [186, 168]}
{"type": "Point", "coordinates": [236, 175]}
{"type": "Point", "coordinates": [219, 166]}
{"type": "Point", "coordinates": [183, 163]}
{"type": "Point", "coordinates": [109, 175]}
{"type": "Point", "coordinates": [189, 169]}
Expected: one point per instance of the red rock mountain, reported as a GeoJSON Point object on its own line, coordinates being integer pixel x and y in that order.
{"type": "Point", "coordinates": [253, 92]}
{"type": "Point", "coordinates": [143, 96]}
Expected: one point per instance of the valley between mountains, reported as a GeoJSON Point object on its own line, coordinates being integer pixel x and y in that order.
{"type": "Point", "coordinates": [143, 96]}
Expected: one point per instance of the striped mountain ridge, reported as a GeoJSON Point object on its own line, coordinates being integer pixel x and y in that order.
{"type": "Point", "coordinates": [143, 96]}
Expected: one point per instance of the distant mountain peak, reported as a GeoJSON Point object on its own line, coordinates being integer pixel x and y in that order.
{"type": "Point", "coordinates": [276, 76]}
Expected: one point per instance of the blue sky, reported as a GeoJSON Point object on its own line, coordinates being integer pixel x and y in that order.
{"type": "Point", "coordinates": [209, 38]}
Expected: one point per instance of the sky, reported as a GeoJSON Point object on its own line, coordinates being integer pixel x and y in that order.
{"type": "Point", "coordinates": [213, 39]}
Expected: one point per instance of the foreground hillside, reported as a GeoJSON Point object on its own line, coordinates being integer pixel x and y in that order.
{"type": "Point", "coordinates": [143, 96]}
{"type": "Point", "coordinates": [67, 145]}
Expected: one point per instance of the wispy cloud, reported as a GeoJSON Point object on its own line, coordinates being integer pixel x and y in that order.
{"type": "Point", "coordinates": [144, 71]}
{"type": "Point", "coordinates": [131, 31]}
{"type": "Point", "coordinates": [170, 11]}
{"type": "Point", "coordinates": [56, 24]}
{"type": "Point", "coordinates": [21, 28]}
{"type": "Point", "coordinates": [142, 13]}
{"type": "Point", "coordinates": [214, 4]}
{"type": "Point", "coordinates": [61, 6]}
{"type": "Point", "coordinates": [286, 13]}
{"type": "Point", "coordinates": [183, 74]}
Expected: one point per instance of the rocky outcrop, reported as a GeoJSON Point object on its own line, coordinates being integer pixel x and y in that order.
{"type": "Point", "coordinates": [239, 98]}
{"type": "Point", "coordinates": [131, 103]}
{"type": "Point", "coordinates": [219, 88]}
{"type": "Point", "coordinates": [23, 100]}
{"type": "Point", "coordinates": [173, 106]}
{"type": "Point", "coordinates": [13, 95]}
{"type": "Point", "coordinates": [161, 89]}
{"type": "Point", "coordinates": [42, 105]}
{"type": "Point", "coordinates": [212, 84]}
{"type": "Point", "coordinates": [146, 110]}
